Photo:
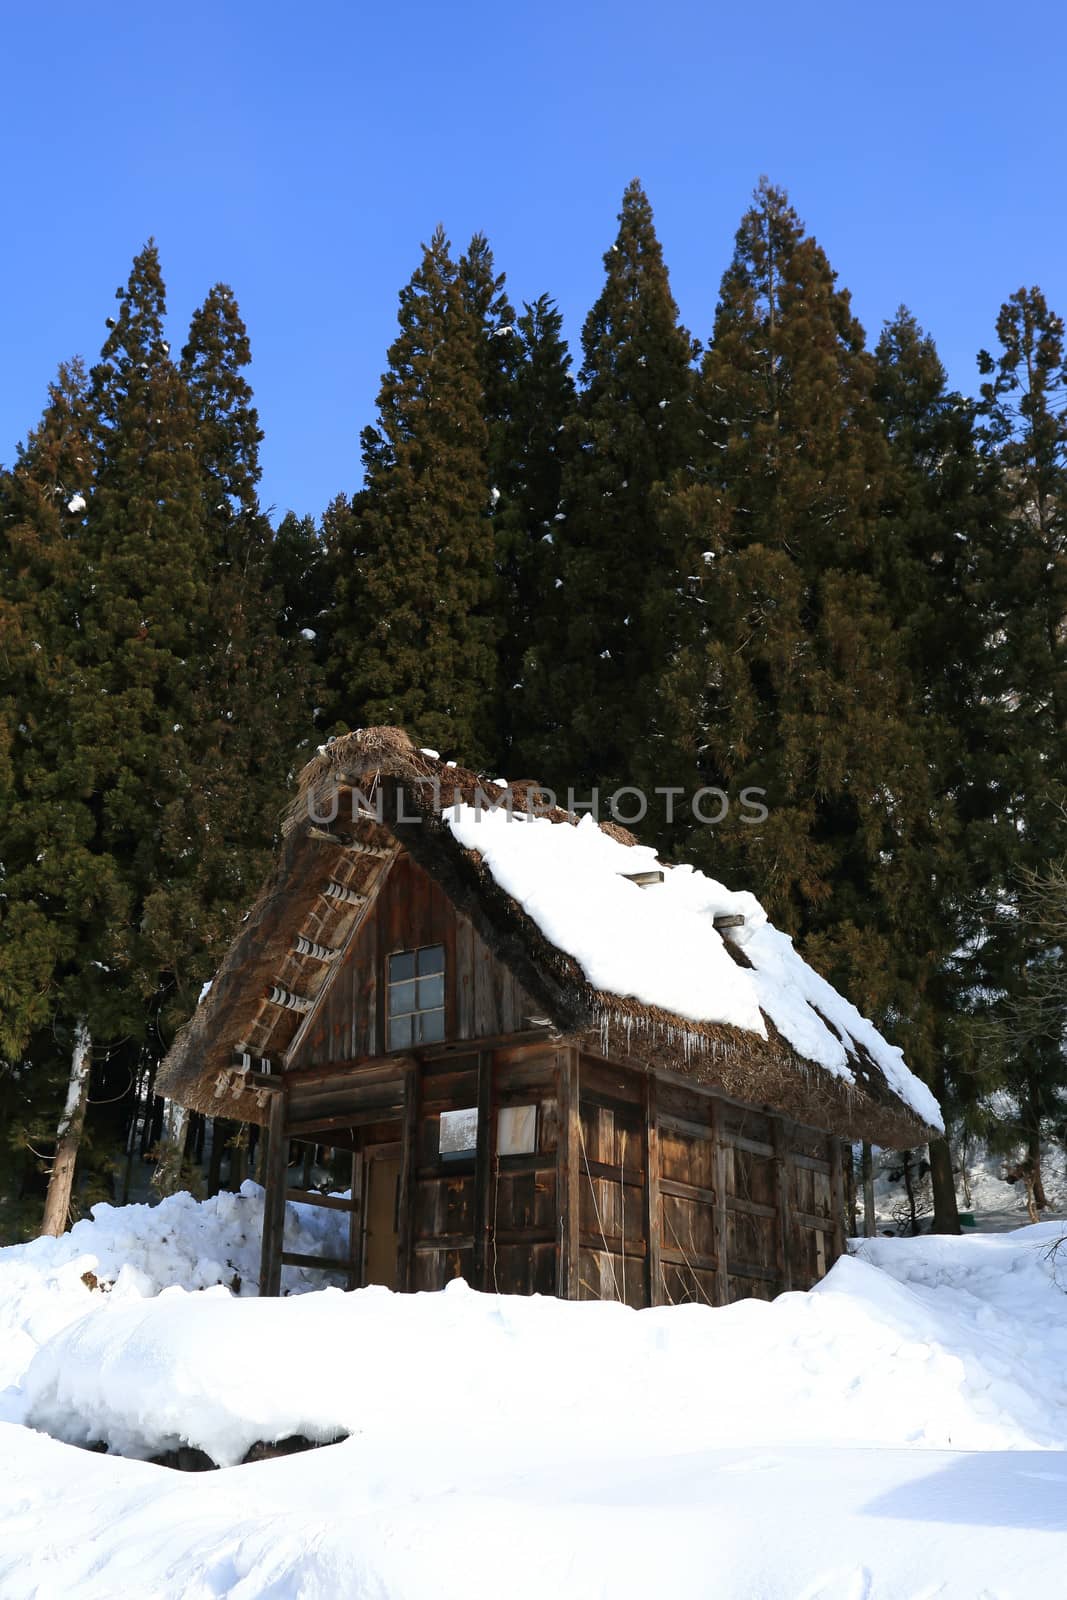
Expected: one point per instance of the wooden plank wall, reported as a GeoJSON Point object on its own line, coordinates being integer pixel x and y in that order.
{"type": "Point", "coordinates": [748, 1203]}
{"type": "Point", "coordinates": [494, 1222]}
{"type": "Point", "coordinates": [481, 996]}
{"type": "Point", "coordinates": [737, 1202]}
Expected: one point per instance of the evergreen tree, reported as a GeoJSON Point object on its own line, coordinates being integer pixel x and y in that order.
{"type": "Point", "coordinates": [528, 483]}
{"type": "Point", "coordinates": [299, 580]}
{"type": "Point", "coordinates": [62, 893]}
{"type": "Point", "coordinates": [1023, 412]}
{"type": "Point", "coordinates": [413, 632]}
{"type": "Point", "coordinates": [499, 352]}
{"type": "Point", "coordinates": [591, 680]}
{"type": "Point", "coordinates": [940, 521]}
{"type": "Point", "coordinates": [792, 679]}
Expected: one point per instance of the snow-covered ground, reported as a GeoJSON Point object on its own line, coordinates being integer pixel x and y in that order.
{"type": "Point", "coordinates": [981, 1190]}
{"type": "Point", "coordinates": [897, 1434]}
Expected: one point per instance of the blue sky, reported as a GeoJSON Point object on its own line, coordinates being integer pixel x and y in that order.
{"type": "Point", "coordinates": [302, 152]}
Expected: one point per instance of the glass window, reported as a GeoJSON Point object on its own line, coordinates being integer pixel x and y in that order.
{"type": "Point", "coordinates": [431, 1026]}
{"type": "Point", "coordinates": [430, 992]}
{"type": "Point", "coordinates": [516, 1131]}
{"type": "Point", "coordinates": [415, 997]}
{"type": "Point", "coordinates": [459, 1134]}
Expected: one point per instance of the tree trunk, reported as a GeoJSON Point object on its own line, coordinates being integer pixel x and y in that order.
{"type": "Point", "coordinates": [946, 1212]}
{"type": "Point", "coordinates": [68, 1135]}
{"type": "Point", "coordinates": [167, 1177]}
{"type": "Point", "coordinates": [1033, 1162]}
{"type": "Point", "coordinates": [870, 1227]}
{"type": "Point", "coordinates": [909, 1189]}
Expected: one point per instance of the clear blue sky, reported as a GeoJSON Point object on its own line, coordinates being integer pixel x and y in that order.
{"type": "Point", "coordinates": [301, 152]}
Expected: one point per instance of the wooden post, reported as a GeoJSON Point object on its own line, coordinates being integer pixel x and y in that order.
{"type": "Point", "coordinates": [485, 1153]}
{"type": "Point", "coordinates": [567, 1174]}
{"type": "Point", "coordinates": [275, 1165]}
{"type": "Point", "coordinates": [653, 1198]}
{"type": "Point", "coordinates": [355, 1222]}
{"type": "Point", "coordinates": [405, 1232]}
{"type": "Point", "coordinates": [867, 1173]}
{"type": "Point", "coordinates": [784, 1192]}
{"type": "Point", "coordinates": [837, 1196]}
{"type": "Point", "coordinates": [722, 1263]}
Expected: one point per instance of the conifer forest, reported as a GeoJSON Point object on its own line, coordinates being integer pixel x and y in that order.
{"type": "Point", "coordinates": [777, 552]}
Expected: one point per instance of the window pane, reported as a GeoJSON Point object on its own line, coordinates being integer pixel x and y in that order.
{"type": "Point", "coordinates": [431, 992]}
{"type": "Point", "coordinates": [431, 1026]}
{"type": "Point", "coordinates": [517, 1131]}
{"type": "Point", "coordinates": [432, 959]}
{"type": "Point", "coordinates": [399, 1032]}
{"type": "Point", "coordinates": [402, 966]}
{"type": "Point", "coordinates": [459, 1132]}
{"type": "Point", "coordinates": [401, 998]}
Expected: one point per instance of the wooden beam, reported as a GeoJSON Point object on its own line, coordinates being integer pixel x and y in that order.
{"type": "Point", "coordinates": [567, 1173]}
{"type": "Point", "coordinates": [722, 1277]}
{"type": "Point", "coordinates": [784, 1202]}
{"type": "Point", "coordinates": [653, 1201]}
{"type": "Point", "coordinates": [356, 1231]}
{"type": "Point", "coordinates": [837, 1196]}
{"type": "Point", "coordinates": [484, 1156]}
{"type": "Point", "coordinates": [405, 1235]}
{"type": "Point", "coordinates": [312, 1197]}
{"type": "Point", "coordinates": [492, 1041]}
{"type": "Point", "coordinates": [270, 1264]}
{"type": "Point", "coordinates": [345, 1120]}
{"type": "Point", "coordinates": [293, 1258]}
{"type": "Point", "coordinates": [728, 919]}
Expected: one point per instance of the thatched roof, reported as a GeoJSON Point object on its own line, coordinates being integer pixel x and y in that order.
{"type": "Point", "coordinates": [370, 794]}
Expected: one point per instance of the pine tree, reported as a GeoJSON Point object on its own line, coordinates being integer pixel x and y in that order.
{"type": "Point", "coordinates": [591, 682]}
{"type": "Point", "coordinates": [528, 483]}
{"type": "Point", "coordinates": [1023, 413]}
{"type": "Point", "coordinates": [63, 893]}
{"type": "Point", "coordinates": [792, 680]}
{"type": "Point", "coordinates": [298, 579]}
{"type": "Point", "coordinates": [250, 710]}
{"type": "Point", "coordinates": [940, 520]}
{"type": "Point", "coordinates": [413, 632]}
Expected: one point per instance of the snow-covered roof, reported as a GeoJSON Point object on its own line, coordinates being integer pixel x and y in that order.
{"type": "Point", "coordinates": [659, 944]}
{"type": "Point", "coordinates": [640, 973]}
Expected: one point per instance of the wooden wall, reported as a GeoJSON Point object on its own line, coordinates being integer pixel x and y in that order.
{"type": "Point", "coordinates": [646, 1190]}
{"type": "Point", "coordinates": [684, 1195]}
{"type": "Point", "coordinates": [481, 996]}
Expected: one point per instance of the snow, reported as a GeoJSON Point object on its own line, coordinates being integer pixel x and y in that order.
{"type": "Point", "coordinates": [660, 946]}
{"type": "Point", "coordinates": [76, 503]}
{"type": "Point", "coordinates": [898, 1433]}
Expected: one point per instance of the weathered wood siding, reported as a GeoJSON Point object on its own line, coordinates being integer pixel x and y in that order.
{"type": "Point", "coordinates": [736, 1201]}
{"type": "Point", "coordinates": [491, 1221]}
{"type": "Point", "coordinates": [481, 996]}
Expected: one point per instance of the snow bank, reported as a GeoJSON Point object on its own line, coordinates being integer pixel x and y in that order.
{"type": "Point", "coordinates": [956, 1344]}
{"type": "Point", "coordinates": [901, 1431]}
{"type": "Point", "coordinates": [130, 1253]}
{"type": "Point", "coordinates": [660, 946]}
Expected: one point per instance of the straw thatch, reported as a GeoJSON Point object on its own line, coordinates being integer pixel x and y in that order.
{"type": "Point", "coordinates": [373, 789]}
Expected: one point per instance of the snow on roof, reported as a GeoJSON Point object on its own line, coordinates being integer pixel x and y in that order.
{"type": "Point", "coordinates": [659, 944]}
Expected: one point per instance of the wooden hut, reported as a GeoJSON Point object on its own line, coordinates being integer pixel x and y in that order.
{"type": "Point", "coordinates": [553, 1074]}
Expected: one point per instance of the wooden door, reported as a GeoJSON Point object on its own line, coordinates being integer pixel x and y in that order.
{"type": "Point", "coordinates": [380, 1241]}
